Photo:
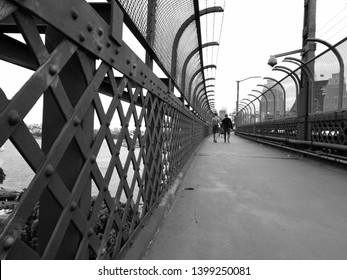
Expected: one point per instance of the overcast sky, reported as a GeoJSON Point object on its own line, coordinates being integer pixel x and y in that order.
{"type": "Point", "coordinates": [253, 30]}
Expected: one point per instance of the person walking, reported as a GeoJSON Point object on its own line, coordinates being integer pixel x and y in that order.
{"type": "Point", "coordinates": [227, 125]}
{"type": "Point", "coordinates": [215, 126]}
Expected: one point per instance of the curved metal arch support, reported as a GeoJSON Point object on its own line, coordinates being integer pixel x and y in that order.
{"type": "Point", "coordinates": [204, 102]}
{"type": "Point", "coordinates": [206, 94]}
{"type": "Point", "coordinates": [342, 68]}
{"type": "Point", "coordinates": [202, 83]}
{"type": "Point", "coordinates": [247, 114]}
{"type": "Point", "coordinates": [266, 102]}
{"type": "Point", "coordinates": [283, 90]}
{"type": "Point", "coordinates": [189, 57]}
{"type": "Point", "coordinates": [195, 74]}
{"type": "Point", "coordinates": [197, 96]}
{"type": "Point", "coordinates": [308, 72]}
{"type": "Point", "coordinates": [255, 111]}
{"type": "Point", "coordinates": [179, 34]}
{"type": "Point", "coordinates": [247, 117]}
{"type": "Point", "coordinates": [302, 65]}
{"type": "Point", "coordinates": [291, 74]}
{"type": "Point", "coordinates": [273, 95]}
{"type": "Point", "coordinates": [239, 119]}
{"type": "Point", "coordinates": [260, 105]}
{"type": "Point", "coordinates": [211, 78]}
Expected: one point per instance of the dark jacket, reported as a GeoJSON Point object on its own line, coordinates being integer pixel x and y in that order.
{"type": "Point", "coordinates": [227, 123]}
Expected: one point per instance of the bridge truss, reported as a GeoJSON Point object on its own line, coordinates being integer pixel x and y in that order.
{"type": "Point", "coordinates": [73, 208]}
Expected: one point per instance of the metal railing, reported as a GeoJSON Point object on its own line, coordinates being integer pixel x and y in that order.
{"type": "Point", "coordinates": [310, 101]}
{"type": "Point", "coordinates": [79, 203]}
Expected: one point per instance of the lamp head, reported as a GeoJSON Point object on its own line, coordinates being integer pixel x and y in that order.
{"type": "Point", "coordinates": [272, 61]}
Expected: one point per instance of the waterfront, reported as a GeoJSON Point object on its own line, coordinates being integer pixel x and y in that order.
{"type": "Point", "coordinates": [19, 174]}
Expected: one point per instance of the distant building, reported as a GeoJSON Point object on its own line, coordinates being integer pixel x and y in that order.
{"type": "Point", "coordinates": [223, 112]}
{"type": "Point", "coordinates": [267, 101]}
{"type": "Point", "coordinates": [332, 93]}
{"type": "Point", "coordinates": [319, 93]}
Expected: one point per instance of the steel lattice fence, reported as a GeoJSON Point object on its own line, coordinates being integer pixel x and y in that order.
{"type": "Point", "coordinates": [72, 209]}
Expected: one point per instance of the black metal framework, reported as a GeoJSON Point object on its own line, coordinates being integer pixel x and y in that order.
{"type": "Point", "coordinates": [320, 104]}
{"type": "Point", "coordinates": [82, 59]}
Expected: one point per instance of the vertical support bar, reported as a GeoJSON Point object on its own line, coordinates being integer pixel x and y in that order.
{"type": "Point", "coordinates": [74, 81]}
{"type": "Point", "coordinates": [151, 21]}
{"type": "Point", "coordinates": [303, 102]}
{"type": "Point", "coordinates": [116, 22]}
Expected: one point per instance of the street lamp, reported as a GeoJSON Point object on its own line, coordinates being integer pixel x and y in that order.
{"type": "Point", "coordinates": [273, 58]}
{"type": "Point", "coordinates": [238, 90]}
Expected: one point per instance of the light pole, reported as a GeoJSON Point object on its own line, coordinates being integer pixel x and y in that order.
{"type": "Point", "coordinates": [238, 91]}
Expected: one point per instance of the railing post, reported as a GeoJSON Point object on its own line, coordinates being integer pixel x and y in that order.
{"type": "Point", "coordinates": [74, 82]}
{"type": "Point", "coordinates": [303, 101]}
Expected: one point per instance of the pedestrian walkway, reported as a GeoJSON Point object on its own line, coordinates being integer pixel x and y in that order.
{"type": "Point", "coordinates": [245, 200]}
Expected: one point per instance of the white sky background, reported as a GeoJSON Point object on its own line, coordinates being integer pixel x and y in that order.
{"type": "Point", "coordinates": [252, 31]}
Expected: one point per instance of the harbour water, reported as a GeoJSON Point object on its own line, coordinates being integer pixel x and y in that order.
{"type": "Point", "coordinates": [19, 174]}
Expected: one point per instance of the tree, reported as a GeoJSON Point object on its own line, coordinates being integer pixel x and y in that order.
{"type": "Point", "coordinates": [2, 176]}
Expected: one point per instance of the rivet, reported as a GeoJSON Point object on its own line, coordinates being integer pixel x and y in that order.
{"type": "Point", "coordinates": [76, 121]}
{"type": "Point", "coordinates": [89, 27]}
{"type": "Point", "coordinates": [108, 44]}
{"type": "Point", "coordinates": [112, 60]}
{"type": "Point", "coordinates": [126, 124]}
{"type": "Point", "coordinates": [13, 117]}
{"type": "Point", "coordinates": [82, 37]}
{"type": "Point", "coordinates": [92, 158]}
{"type": "Point", "coordinates": [117, 153]}
{"type": "Point", "coordinates": [53, 69]}
{"type": "Point", "coordinates": [74, 13]}
{"type": "Point", "coordinates": [90, 231]}
{"type": "Point", "coordinates": [73, 206]}
{"type": "Point", "coordinates": [105, 188]}
{"type": "Point", "coordinates": [49, 170]}
{"type": "Point", "coordinates": [108, 123]}
{"type": "Point", "coordinates": [100, 31]}
{"type": "Point", "coordinates": [103, 251]}
{"type": "Point", "coordinates": [8, 242]}
{"type": "Point", "coordinates": [100, 46]}
{"type": "Point", "coordinates": [116, 52]}
{"type": "Point", "coordinates": [128, 61]}
{"type": "Point", "coordinates": [131, 74]}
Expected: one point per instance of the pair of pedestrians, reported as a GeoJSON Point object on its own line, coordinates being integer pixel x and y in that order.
{"type": "Point", "coordinates": [226, 124]}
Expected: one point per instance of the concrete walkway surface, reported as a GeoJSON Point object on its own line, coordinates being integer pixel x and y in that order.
{"type": "Point", "coordinates": [244, 200]}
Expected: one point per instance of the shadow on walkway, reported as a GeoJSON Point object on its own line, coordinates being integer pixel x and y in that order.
{"type": "Point", "coordinates": [244, 200]}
